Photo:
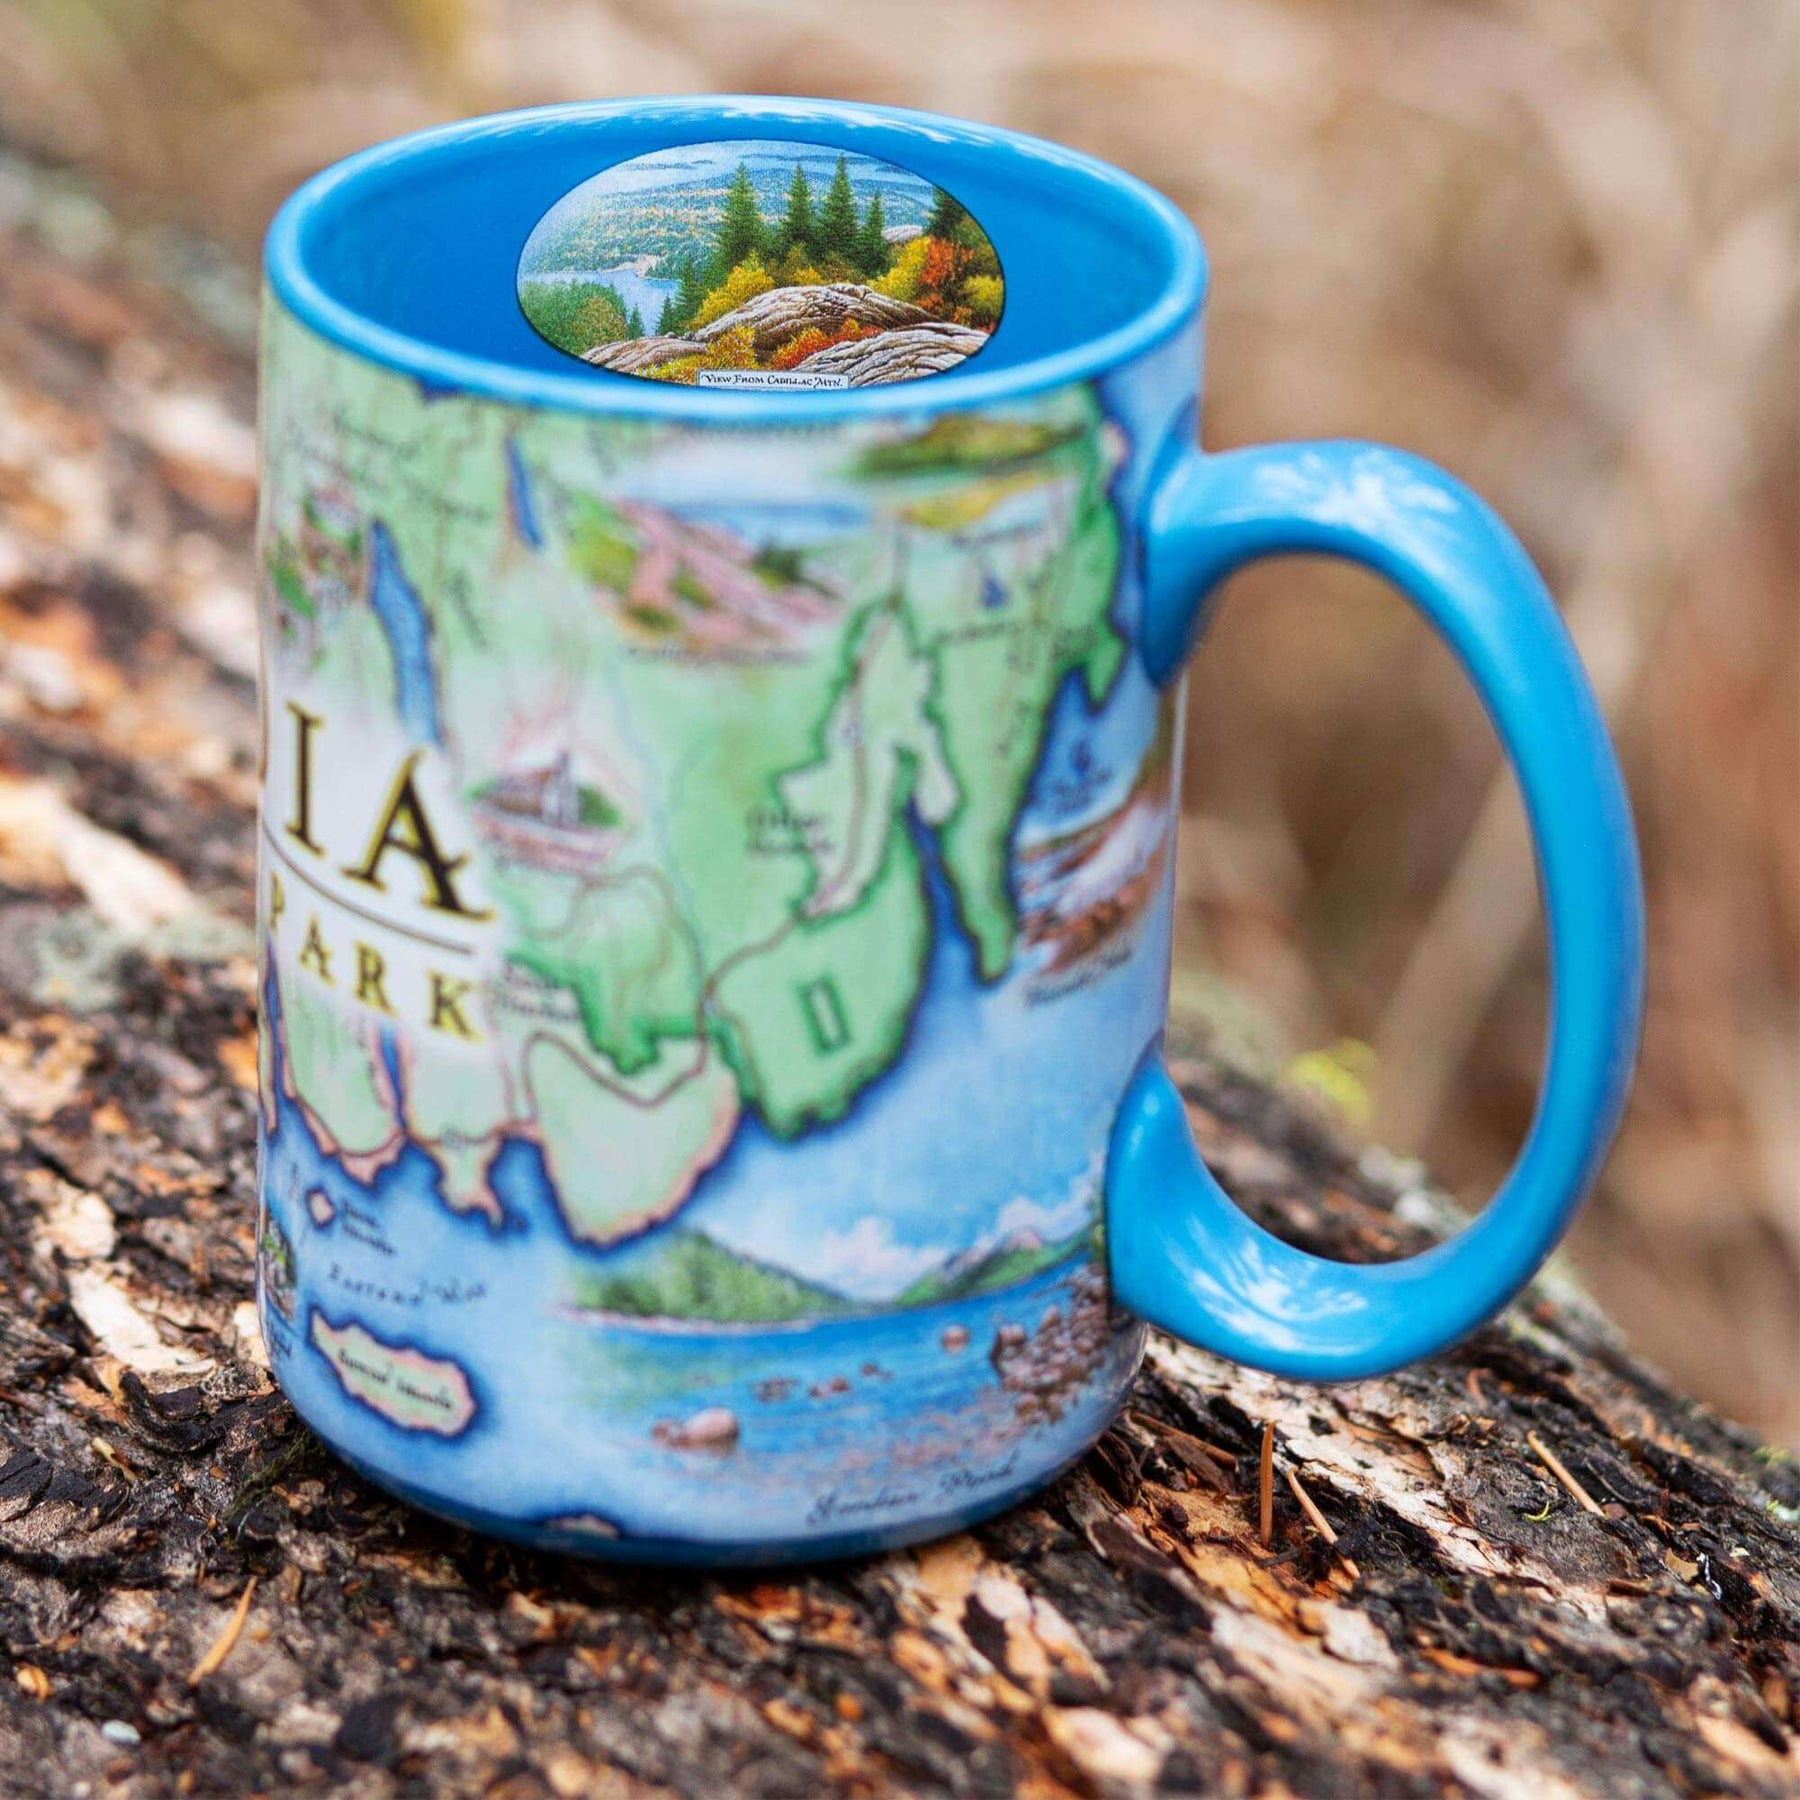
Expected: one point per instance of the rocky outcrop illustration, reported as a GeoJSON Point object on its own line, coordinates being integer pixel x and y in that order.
{"type": "Point", "coordinates": [1083, 892]}
{"type": "Point", "coordinates": [1088, 887]}
{"type": "Point", "coordinates": [862, 335]}
{"type": "Point", "coordinates": [924, 349]}
{"type": "Point", "coordinates": [713, 1428]}
{"type": "Point", "coordinates": [712, 587]}
{"type": "Point", "coordinates": [1044, 1368]}
{"type": "Point", "coordinates": [679, 582]}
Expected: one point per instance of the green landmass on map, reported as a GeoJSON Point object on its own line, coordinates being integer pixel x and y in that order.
{"type": "Point", "coordinates": [976, 441]}
{"type": "Point", "coordinates": [686, 1275]}
{"type": "Point", "coordinates": [683, 1273]}
{"type": "Point", "coordinates": [1005, 1265]}
{"type": "Point", "coordinates": [810, 1021]}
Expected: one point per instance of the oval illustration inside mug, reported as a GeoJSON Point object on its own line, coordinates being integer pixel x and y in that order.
{"type": "Point", "coordinates": [758, 263]}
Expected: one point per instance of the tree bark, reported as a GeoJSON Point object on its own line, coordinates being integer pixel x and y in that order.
{"type": "Point", "coordinates": [1527, 1568]}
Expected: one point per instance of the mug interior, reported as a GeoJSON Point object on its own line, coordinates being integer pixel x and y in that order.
{"type": "Point", "coordinates": [409, 252]}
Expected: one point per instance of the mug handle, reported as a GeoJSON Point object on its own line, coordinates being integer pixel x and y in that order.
{"type": "Point", "coordinates": [1181, 1254]}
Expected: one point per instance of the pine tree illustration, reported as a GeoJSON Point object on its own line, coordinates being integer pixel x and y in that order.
{"type": "Point", "coordinates": [946, 215]}
{"type": "Point", "coordinates": [837, 217]}
{"type": "Point", "coordinates": [798, 227]}
{"type": "Point", "coordinates": [741, 232]}
{"type": "Point", "coordinates": [872, 253]}
{"type": "Point", "coordinates": [691, 295]}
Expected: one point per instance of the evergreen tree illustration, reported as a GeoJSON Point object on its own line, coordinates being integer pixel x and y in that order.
{"type": "Point", "coordinates": [690, 295]}
{"type": "Point", "coordinates": [872, 252]}
{"type": "Point", "coordinates": [837, 217]}
{"type": "Point", "coordinates": [798, 227]}
{"type": "Point", "coordinates": [946, 215]}
{"type": "Point", "coordinates": [741, 231]}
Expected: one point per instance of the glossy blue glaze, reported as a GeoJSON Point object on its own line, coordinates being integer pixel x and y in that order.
{"type": "Point", "coordinates": [1182, 1254]}
{"type": "Point", "coordinates": [405, 254]}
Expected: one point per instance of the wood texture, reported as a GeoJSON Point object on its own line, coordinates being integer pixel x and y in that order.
{"type": "Point", "coordinates": [1527, 1569]}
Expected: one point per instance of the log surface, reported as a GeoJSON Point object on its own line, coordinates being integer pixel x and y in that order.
{"type": "Point", "coordinates": [1526, 1569]}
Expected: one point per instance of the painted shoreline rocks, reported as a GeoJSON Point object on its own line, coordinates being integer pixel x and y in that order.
{"type": "Point", "coordinates": [715, 888]}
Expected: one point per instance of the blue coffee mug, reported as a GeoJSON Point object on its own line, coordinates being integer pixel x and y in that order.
{"type": "Point", "coordinates": [727, 566]}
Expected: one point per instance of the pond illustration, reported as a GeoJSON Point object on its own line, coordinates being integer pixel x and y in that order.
{"type": "Point", "coordinates": [762, 264]}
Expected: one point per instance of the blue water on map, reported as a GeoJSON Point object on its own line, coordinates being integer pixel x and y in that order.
{"type": "Point", "coordinates": [521, 503]}
{"type": "Point", "coordinates": [796, 522]}
{"type": "Point", "coordinates": [408, 627]}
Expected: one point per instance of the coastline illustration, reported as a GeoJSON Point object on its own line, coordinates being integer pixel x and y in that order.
{"type": "Point", "coordinates": [1086, 886]}
{"type": "Point", "coordinates": [762, 264]}
{"type": "Point", "coordinates": [814, 1426]}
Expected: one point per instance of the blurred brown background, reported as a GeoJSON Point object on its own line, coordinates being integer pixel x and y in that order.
{"type": "Point", "coordinates": [1554, 244]}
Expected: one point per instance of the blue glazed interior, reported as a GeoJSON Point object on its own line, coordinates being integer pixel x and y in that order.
{"type": "Point", "coordinates": [408, 252]}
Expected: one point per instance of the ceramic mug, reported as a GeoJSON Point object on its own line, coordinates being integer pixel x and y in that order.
{"type": "Point", "coordinates": [726, 572]}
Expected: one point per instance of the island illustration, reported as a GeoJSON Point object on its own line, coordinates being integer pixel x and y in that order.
{"type": "Point", "coordinates": [759, 263]}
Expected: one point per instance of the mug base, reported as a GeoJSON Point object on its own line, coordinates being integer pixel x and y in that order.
{"type": "Point", "coordinates": [708, 1553]}
{"type": "Point", "coordinates": [895, 1454]}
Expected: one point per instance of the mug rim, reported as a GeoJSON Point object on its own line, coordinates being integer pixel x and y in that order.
{"type": "Point", "coordinates": [292, 282]}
